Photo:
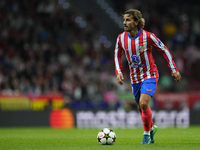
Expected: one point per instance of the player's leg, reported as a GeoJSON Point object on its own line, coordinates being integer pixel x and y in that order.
{"type": "Point", "coordinates": [148, 89]}
{"type": "Point", "coordinates": [146, 114]}
{"type": "Point", "coordinates": [140, 111]}
{"type": "Point", "coordinates": [153, 127]}
{"type": "Point", "coordinates": [136, 92]}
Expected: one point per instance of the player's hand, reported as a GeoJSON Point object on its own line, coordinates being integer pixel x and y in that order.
{"type": "Point", "coordinates": [120, 78]}
{"type": "Point", "coordinates": [176, 76]}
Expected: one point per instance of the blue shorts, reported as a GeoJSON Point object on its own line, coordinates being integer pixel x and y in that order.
{"type": "Point", "coordinates": [148, 86]}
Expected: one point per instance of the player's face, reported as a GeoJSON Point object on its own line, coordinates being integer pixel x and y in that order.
{"type": "Point", "coordinates": [129, 23]}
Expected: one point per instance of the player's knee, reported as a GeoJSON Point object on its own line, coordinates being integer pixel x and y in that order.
{"type": "Point", "coordinates": [144, 105]}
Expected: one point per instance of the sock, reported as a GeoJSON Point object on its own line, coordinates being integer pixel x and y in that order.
{"type": "Point", "coordinates": [152, 124]}
{"type": "Point", "coordinates": [152, 128]}
{"type": "Point", "coordinates": [151, 121]}
{"type": "Point", "coordinates": [146, 132]}
{"type": "Point", "coordinates": [147, 119]}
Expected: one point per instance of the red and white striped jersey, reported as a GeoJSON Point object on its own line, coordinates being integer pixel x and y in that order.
{"type": "Point", "coordinates": [138, 52]}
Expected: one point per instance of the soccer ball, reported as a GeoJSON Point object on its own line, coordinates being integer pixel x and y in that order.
{"type": "Point", "coordinates": [106, 137]}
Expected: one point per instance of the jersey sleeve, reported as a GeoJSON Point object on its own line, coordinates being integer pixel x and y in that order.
{"type": "Point", "coordinates": [157, 44]}
{"type": "Point", "coordinates": [118, 56]}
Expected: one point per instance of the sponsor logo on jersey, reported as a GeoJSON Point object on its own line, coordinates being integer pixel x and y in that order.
{"type": "Point", "coordinates": [135, 59]}
{"type": "Point", "coordinates": [135, 62]}
{"type": "Point", "coordinates": [160, 43]}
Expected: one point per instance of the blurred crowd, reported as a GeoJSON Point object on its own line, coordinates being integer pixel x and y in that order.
{"type": "Point", "coordinates": [43, 50]}
{"type": "Point", "coordinates": [177, 24]}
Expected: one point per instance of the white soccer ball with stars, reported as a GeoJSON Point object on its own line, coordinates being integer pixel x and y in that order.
{"type": "Point", "coordinates": [106, 137]}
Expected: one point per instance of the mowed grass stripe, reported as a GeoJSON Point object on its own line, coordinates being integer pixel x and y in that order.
{"type": "Point", "coordinates": [85, 139]}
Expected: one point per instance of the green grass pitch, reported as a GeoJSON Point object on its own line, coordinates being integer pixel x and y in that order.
{"type": "Point", "coordinates": [85, 139]}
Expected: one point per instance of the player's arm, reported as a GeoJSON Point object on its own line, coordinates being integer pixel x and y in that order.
{"type": "Point", "coordinates": [157, 44]}
{"type": "Point", "coordinates": [118, 62]}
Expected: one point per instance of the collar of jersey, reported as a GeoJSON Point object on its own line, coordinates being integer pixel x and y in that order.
{"type": "Point", "coordinates": [136, 35]}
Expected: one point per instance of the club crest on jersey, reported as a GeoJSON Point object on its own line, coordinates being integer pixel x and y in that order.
{"type": "Point", "coordinates": [141, 48]}
{"type": "Point", "coordinates": [135, 62]}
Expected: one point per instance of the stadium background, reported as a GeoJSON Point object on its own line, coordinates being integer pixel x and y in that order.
{"type": "Point", "coordinates": [57, 68]}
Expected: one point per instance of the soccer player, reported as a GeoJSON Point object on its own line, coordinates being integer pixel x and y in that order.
{"type": "Point", "coordinates": [137, 45]}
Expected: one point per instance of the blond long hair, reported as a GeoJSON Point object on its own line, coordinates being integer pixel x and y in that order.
{"type": "Point", "coordinates": [137, 16]}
